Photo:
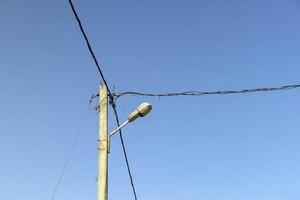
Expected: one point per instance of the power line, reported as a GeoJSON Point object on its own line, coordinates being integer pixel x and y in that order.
{"type": "Point", "coordinates": [89, 47]}
{"type": "Point", "coordinates": [200, 93]}
{"type": "Point", "coordinates": [67, 161]}
{"type": "Point", "coordinates": [111, 97]}
{"type": "Point", "coordinates": [125, 153]}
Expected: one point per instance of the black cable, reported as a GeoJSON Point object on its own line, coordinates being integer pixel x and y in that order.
{"type": "Point", "coordinates": [90, 47]}
{"type": "Point", "coordinates": [124, 151]}
{"type": "Point", "coordinates": [111, 97]}
{"type": "Point", "coordinates": [199, 93]}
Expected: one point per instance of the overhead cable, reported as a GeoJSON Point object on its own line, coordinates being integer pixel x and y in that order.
{"type": "Point", "coordinates": [90, 47]}
{"type": "Point", "coordinates": [202, 93]}
{"type": "Point", "coordinates": [111, 97]}
{"type": "Point", "coordinates": [125, 153]}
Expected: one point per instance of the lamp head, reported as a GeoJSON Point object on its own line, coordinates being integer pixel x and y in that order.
{"type": "Point", "coordinates": [141, 111]}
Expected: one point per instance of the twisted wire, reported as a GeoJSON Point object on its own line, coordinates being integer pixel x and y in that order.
{"type": "Point", "coordinates": [202, 93]}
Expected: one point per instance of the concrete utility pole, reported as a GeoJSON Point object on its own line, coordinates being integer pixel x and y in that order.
{"type": "Point", "coordinates": [103, 144]}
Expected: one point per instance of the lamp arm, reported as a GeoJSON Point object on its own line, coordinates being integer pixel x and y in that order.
{"type": "Point", "coordinates": [117, 129]}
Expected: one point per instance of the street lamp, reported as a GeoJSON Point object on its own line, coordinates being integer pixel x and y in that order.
{"type": "Point", "coordinates": [141, 111]}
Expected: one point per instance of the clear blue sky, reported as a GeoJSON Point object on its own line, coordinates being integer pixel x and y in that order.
{"type": "Point", "coordinates": [215, 147]}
